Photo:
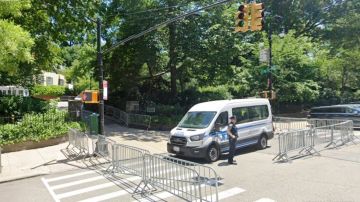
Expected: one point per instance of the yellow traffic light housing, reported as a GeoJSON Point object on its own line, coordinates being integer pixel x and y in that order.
{"type": "Point", "coordinates": [90, 96]}
{"type": "Point", "coordinates": [271, 95]}
{"type": "Point", "coordinates": [257, 16]}
{"type": "Point", "coordinates": [242, 19]}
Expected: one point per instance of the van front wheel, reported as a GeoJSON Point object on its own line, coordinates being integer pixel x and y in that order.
{"type": "Point", "coordinates": [212, 154]}
{"type": "Point", "coordinates": [262, 144]}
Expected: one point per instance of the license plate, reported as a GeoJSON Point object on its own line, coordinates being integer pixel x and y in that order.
{"type": "Point", "coordinates": [176, 149]}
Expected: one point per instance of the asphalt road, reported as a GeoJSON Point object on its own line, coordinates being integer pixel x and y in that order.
{"type": "Point", "coordinates": [333, 176]}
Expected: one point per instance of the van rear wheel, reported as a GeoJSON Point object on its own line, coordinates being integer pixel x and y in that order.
{"type": "Point", "coordinates": [262, 143]}
{"type": "Point", "coordinates": [212, 154]}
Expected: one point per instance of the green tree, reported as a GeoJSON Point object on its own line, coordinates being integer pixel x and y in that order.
{"type": "Point", "coordinates": [16, 43]}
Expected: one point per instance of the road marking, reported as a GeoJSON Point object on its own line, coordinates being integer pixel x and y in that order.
{"type": "Point", "coordinates": [226, 194]}
{"type": "Point", "coordinates": [107, 196]}
{"type": "Point", "coordinates": [69, 176]}
{"type": "Point", "coordinates": [96, 187]}
{"type": "Point", "coordinates": [163, 195]}
{"type": "Point", "coordinates": [52, 193]}
{"type": "Point", "coordinates": [60, 186]}
{"type": "Point", "coordinates": [265, 200]}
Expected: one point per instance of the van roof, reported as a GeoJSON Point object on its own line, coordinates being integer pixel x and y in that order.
{"type": "Point", "coordinates": [219, 104]}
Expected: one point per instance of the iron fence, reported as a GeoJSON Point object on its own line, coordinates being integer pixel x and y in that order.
{"type": "Point", "coordinates": [128, 119]}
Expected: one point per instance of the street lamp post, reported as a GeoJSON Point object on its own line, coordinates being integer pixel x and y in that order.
{"type": "Point", "coordinates": [101, 75]}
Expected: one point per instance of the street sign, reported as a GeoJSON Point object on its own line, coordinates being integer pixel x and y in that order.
{"type": "Point", "coordinates": [26, 93]}
{"type": "Point", "coordinates": [105, 90]}
{"type": "Point", "coordinates": [264, 55]}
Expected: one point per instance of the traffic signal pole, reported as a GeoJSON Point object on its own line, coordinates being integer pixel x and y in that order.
{"type": "Point", "coordinates": [270, 60]}
{"type": "Point", "coordinates": [101, 75]}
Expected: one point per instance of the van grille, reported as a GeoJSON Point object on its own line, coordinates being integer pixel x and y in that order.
{"type": "Point", "coordinates": [180, 141]}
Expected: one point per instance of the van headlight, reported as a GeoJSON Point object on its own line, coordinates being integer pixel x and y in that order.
{"type": "Point", "coordinates": [197, 137]}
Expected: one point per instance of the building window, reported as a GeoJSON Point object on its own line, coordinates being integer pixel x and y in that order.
{"type": "Point", "coordinates": [49, 81]}
{"type": "Point", "coordinates": [40, 79]}
{"type": "Point", "coordinates": [61, 82]}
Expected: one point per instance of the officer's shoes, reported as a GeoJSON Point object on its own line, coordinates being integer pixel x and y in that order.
{"type": "Point", "coordinates": [232, 163]}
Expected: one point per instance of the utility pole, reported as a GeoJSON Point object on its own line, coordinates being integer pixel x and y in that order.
{"type": "Point", "coordinates": [270, 60]}
{"type": "Point", "coordinates": [101, 75]}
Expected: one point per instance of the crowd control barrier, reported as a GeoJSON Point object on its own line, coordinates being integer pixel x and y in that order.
{"type": "Point", "coordinates": [79, 144]}
{"type": "Point", "coordinates": [128, 160]}
{"type": "Point", "coordinates": [187, 180]}
{"type": "Point", "coordinates": [315, 132]}
{"type": "Point", "coordinates": [302, 140]}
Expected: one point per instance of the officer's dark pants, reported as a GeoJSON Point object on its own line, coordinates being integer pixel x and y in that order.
{"type": "Point", "coordinates": [232, 142]}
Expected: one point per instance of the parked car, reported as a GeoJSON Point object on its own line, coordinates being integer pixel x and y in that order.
{"type": "Point", "coordinates": [202, 131]}
{"type": "Point", "coordinates": [344, 111]}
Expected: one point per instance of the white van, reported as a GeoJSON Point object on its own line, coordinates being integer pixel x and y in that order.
{"type": "Point", "coordinates": [202, 132]}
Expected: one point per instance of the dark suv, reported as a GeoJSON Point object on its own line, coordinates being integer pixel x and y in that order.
{"type": "Point", "coordinates": [345, 111]}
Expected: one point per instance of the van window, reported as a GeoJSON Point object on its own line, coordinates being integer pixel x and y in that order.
{"type": "Point", "coordinates": [222, 119]}
{"type": "Point", "coordinates": [251, 113]}
{"type": "Point", "coordinates": [197, 119]}
{"type": "Point", "coordinates": [241, 113]}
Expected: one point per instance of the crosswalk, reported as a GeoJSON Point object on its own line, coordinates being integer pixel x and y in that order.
{"type": "Point", "coordinates": [94, 186]}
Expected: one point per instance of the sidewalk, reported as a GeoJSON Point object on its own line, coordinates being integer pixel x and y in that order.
{"type": "Point", "coordinates": [42, 161]}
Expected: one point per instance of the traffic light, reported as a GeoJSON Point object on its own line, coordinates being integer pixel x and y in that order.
{"type": "Point", "coordinates": [257, 16]}
{"type": "Point", "coordinates": [242, 19]}
{"type": "Point", "coordinates": [90, 96]}
{"type": "Point", "coordinates": [271, 95]}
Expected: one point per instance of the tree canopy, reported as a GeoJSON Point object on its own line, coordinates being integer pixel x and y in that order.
{"type": "Point", "coordinates": [315, 49]}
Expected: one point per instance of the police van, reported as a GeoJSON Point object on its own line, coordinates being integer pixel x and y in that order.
{"type": "Point", "coordinates": [202, 132]}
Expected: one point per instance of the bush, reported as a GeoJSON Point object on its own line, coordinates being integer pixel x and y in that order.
{"type": "Point", "coordinates": [36, 127]}
{"type": "Point", "coordinates": [16, 105]}
{"type": "Point", "coordinates": [39, 90]}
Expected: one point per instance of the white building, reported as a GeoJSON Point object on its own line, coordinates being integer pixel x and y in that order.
{"type": "Point", "coordinates": [14, 90]}
{"type": "Point", "coordinates": [51, 79]}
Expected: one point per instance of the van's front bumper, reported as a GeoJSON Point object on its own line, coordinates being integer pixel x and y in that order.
{"type": "Point", "coordinates": [195, 152]}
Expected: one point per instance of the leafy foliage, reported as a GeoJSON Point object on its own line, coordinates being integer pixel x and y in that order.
{"type": "Point", "coordinates": [36, 127]}
{"type": "Point", "coordinates": [18, 106]}
{"type": "Point", "coordinates": [40, 90]}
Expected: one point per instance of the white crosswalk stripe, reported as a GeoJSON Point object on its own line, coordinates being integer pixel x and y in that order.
{"type": "Point", "coordinates": [60, 186]}
{"type": "Point", "coordinates": [79, 188]}
{"type": "Point", "coordinates": [96, 187]}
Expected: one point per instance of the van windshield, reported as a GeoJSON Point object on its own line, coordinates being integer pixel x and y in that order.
{"type": "Point", "coordinates": [197, 119]}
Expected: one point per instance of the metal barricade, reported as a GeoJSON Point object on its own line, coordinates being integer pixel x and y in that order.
{"type": "Point", "coordinates": [302, 140]}
{"type": "Point", "coordinates": [319, 131]}
{"type": "Point", "coordinates": [78, 144]}
{"type": "Point", "coordinates": [127, 160]}
{"type": "Point", "coordinates": [335, 133]}
{"type": "Point", "coordinates": [187, 180]}
{"type": "Point", "coordinates": [102, 147]}
{"type": "Point", "coordinates": [284, 124]}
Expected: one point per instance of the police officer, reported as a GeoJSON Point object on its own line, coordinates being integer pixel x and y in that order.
{"type": "Point", "coordinates": [232, 134]}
